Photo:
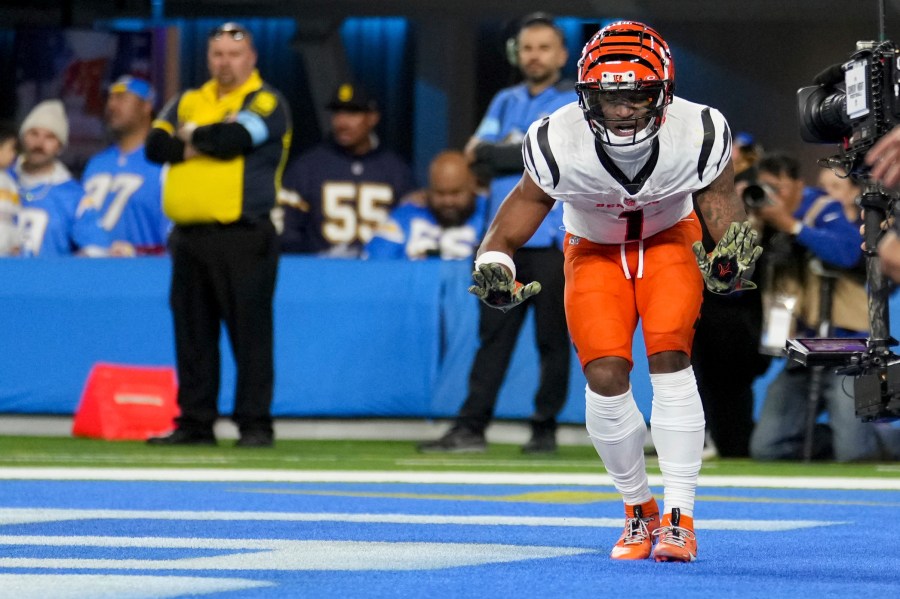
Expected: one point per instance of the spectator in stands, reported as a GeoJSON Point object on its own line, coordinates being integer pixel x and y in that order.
{"type": "Point", "coordinates": [9, 195]}
{"type": "Point", "coordinates": [53, 219]}
{"type": "Point", "coordinates": [496, 149]}
{"type": "Point", "coordinates": [809, 238]}
{"type": "Point", "coordinates": [9, 146]}
{"type": "Point", "coordinates": [450, 224]}
{"type": "Point", "coordinates": [725, 372]}
{"type": "Point", "coordinates": [120, 182]}
{"type": "Point", "coordinates": [224, 144]}
{"type": "Point", "coordinates": [336, 194]}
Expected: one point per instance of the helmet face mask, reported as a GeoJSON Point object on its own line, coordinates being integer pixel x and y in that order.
{"type": "Point", "coordinates": [622, 117]}
{"type": "Point", "coordinates": [626, 79]}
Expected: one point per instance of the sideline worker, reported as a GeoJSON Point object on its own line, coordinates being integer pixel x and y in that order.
{"type": "Point", "coordinates": [225, 144]}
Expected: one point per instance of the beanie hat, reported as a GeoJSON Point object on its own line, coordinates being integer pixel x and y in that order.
{"type": "Point", "coordinates": [50, 115]}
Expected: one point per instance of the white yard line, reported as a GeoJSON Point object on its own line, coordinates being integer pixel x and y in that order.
{"type": "Point", "coordinates": [35, 515]}
{"type": "Point", "coordinates": [373, 476]}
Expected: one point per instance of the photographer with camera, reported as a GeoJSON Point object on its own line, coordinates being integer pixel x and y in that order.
{"type": "Point", "coordinates": [810, 244]}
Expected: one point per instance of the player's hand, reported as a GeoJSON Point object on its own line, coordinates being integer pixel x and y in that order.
{"type": "Point", "coordinates": [728, 267]}
{"type": "Point", "coordinates": [495, 286]}
{"type": "Point", "coordinates": [884, 158]}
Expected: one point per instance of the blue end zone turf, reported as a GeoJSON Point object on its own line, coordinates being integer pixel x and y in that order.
{"type": "Point", "coordinates": [228, 540]}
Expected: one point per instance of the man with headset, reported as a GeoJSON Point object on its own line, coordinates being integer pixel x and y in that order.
{"type": "Point", "coordinates": [496, 150]}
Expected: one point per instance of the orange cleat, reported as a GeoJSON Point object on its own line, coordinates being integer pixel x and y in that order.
{"type": "Point", "coordinates": [677, 541]}
{"type": "Point", "coordinates": [637, 539]}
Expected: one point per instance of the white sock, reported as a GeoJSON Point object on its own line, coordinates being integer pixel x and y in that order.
{"type": "Point", "coordinates": [617, 430]}
{"type": "Point", "coordinates": [677, 426]}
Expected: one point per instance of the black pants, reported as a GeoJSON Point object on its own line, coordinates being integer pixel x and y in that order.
{"type": "Point", "coordinates": [224, 273]}
{"type": "Point", "coordinates": [498, 332]}
{"type": "Point", "coordinates": [726, 361]}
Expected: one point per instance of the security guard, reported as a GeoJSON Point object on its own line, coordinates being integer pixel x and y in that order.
{"type": "Point", "coordinates": [225, 145]}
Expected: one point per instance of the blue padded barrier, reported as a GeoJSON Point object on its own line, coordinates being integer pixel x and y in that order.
{"type": "Point", "coordinates": [352, 339]}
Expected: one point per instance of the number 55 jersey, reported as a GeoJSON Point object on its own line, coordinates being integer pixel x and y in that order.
{"type": "Point", "coordinates": [333, 200]}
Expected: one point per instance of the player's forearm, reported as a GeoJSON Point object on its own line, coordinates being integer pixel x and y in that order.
{"type": "Point", "coordinates": [519, 216]}
{"type": "Point", "coordinates": [719, 210]}
{"type": "Point", "coordinates": [720, 205]}
{"type": "Point", "coordinates": [515, 223]}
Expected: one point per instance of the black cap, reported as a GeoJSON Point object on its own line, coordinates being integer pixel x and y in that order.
{"type": "Point", "coordinates": [350, 96]}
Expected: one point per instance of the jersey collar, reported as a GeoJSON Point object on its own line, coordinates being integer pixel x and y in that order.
{"type": "Point", "coordinates": [253, 83]}
{"type": "Point", "coordinates": [632, 186]}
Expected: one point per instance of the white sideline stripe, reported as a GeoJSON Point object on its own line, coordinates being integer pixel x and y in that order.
{"type": "Point", "coordinates": [279, 554]}
{"type": "Point", "coordinates": [95, 586]}
{"type": "Point", "coordinates": [35, 515]}
{"type": "Point", "coordinates": [474, 478]}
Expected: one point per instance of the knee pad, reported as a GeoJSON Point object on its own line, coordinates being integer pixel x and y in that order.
{"type": "Point", "coordinates": [611, 419]}
{"type": "Point", "coordinates": [676, 402]}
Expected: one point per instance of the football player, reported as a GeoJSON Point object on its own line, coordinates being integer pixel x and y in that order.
{"type": "Point", "coordinates": [626, 160]}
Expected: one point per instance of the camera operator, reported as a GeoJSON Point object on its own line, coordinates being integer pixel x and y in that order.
{"type": "Point", "coordinates": [884, 158]}
{"type": "Point", "coordinates": [811, 244]}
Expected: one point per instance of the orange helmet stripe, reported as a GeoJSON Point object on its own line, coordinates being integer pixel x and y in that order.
{"type": "Point", "coordinates": [630, 44]}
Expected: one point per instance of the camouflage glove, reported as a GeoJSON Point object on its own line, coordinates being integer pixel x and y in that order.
{"type": "Point", "coordinates": [495, 286]}
{"type": "Point", "coordinates": [725, 268]}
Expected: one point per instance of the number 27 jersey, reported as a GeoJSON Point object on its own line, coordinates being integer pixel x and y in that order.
{"type": "Point", "coordinates": [125, 188]}
{"type": "Point", "coordinates": [600, 203]}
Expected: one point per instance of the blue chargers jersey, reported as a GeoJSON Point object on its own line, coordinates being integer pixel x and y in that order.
{"type": "Point", "coordinates": [333, 201]}
{"type": "Point", "coordinates": [507, 119]}
{"type": "Point", "coordinates": [413, 232]}
{"type": "Point", "coordinates": [54, 221]}
{"type": "Point", "coordinates": [126, 189]}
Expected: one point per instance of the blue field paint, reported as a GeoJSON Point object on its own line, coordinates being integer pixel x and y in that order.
{"type": "Point", "coordinates": [224, 540]}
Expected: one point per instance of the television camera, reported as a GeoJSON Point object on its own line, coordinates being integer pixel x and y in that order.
{"type": "Point", "coordinates": [854, 104]}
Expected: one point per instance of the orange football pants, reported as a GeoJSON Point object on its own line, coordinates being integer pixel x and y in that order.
{"type": "Point", "coordinates": [663, 287]}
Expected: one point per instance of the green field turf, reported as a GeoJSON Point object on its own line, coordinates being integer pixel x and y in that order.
{"type": "Point", "coordinates": [370, 455]}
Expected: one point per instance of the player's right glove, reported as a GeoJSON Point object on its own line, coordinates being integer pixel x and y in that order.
{"type": "Point", "coordinates": [495, 286]}
{"type": "Point", "coordinates": [728, 267]}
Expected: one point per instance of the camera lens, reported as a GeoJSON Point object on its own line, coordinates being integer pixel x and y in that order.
{"type": "Point", "coordinates": [754, 196]}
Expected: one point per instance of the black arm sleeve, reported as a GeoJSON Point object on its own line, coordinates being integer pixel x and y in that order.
{"type": "Point", "coordinates": [222, 140]}
{"type": "Point", "coordinates": [500, 159]}
{"type": "Point", "coordinates": [162, 147]}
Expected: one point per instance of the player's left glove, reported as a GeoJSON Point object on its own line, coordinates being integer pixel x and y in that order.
{"type": "Point", "coordinates": [728, 267]}
{"type": "Point", "coordinates": [495, 286]}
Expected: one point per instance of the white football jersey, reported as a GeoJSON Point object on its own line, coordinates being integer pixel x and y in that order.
{"type": "Point", "coordinates": [600, 203]}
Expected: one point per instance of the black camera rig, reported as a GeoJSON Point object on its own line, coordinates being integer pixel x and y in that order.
{"type": "Point", "coordinates": [854, 104]}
